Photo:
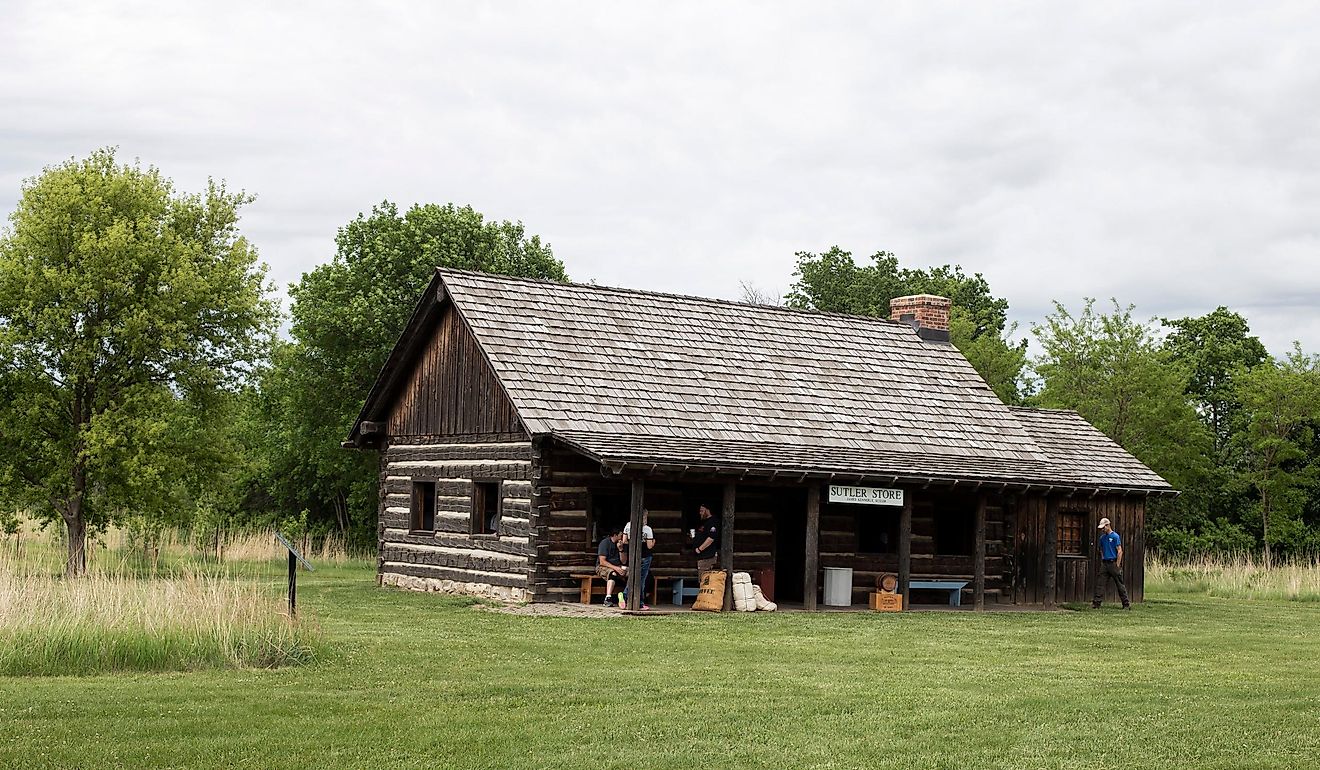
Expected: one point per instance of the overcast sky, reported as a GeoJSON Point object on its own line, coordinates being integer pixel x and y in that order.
{"type": "Point", "coordinates": [1164, 154]}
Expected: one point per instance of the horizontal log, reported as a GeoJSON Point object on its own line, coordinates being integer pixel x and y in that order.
{"type": "Point", "coordinates": [456, 541]}
{"type": "Point", "coordinates": [446, 452]}
{"type": "Point", "coordinates": [425, 470]}
{"type": "Point", "coordinates": [453, 559]}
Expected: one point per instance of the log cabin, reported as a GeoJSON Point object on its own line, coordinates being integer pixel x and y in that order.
{"type": "Point", "coordinates": [518, 420]}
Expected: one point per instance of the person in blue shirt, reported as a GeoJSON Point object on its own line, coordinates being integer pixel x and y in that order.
{"type": "Point", "coordinates": [1111, 566]}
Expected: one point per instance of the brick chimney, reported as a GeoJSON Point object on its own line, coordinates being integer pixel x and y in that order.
{"type": "Point", "coordinates": [927, 313]}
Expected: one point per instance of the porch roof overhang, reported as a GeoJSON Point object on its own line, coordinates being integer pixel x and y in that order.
{"type": "Point", "coordinates": [632, 455]}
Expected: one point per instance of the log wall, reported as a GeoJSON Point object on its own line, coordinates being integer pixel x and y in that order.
{"type": "Point", "coordinates": [570, 493]}
{"type": "Point", "coordinates": [838, 546]}
{"type": "Point", "coordinates": [451, 559]}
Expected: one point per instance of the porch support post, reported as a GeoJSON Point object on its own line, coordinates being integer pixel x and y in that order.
{"type": "Point", "coordinates": [1051, 549]}
{"type": "Point", "coordinates": [905, 548]}
{"type": "Point", "coordinates": [978, 590]}
{"type": "Point", "coordinates": [636, 545]}
{"type": "Point", "coordinates": [813, 548]}
{"type": "Point", "coordinates": [726, 541]}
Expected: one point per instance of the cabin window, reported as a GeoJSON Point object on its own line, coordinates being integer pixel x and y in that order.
{"type": "Point", "coordinates": [955, 531]}
{"type": "Point", "coordinates": [485, 507]}
{"type": "Point", "coordinates": [423, 506]}
{"type": "Point", "coordinates": [1072, 534]}
{"type": "Point", "coordinates": [877, 531]}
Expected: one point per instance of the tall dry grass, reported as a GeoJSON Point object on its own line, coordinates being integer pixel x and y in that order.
{"type": "Point", "coordinates": [144, 608]}
{"type": "Point", "coordinates": [1241, 577]}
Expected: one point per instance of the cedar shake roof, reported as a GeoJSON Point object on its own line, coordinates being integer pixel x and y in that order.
{"type": "Point", "coordinates": [641, 378]}
{"type": "Point", "coordinates": [1068, 439]}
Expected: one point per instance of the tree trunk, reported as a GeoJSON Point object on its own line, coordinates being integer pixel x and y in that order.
{"type": "Point", "coordinates": [75, 522]}
{"type": "Point", "coordinates": [1265, 524]}
{"type": "Point", "coordinates": [341, 513]}
{"type": "Point", "coordinates": [76, 525]}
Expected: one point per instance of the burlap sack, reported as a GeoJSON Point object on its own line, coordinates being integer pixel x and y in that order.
{"type": "Point", "coordinates": [763, 604]}
{"type": "Point", "coordinates": [710, 595]}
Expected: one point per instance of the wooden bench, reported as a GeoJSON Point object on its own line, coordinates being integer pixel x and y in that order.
{"type": "Point", "coordinates": [591, 585]}
{"type": "Point", "coordinates": [954, 587]}
{"type": "Point", "coordinates": [683, 590]}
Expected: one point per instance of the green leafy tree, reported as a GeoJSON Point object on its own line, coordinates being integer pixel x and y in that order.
{"type": "Point", "coordinates": [1114, 371]}
{"type": "Point", "coordinates": [126, 312]}
{"type": "Point", "coordinates": [832, 281]}
{"type": "Point", "coordinates": [1216, 348]}
{"type": "Point", "coordinates": [346, 316]}
{"type": "Point", "coordinates": [1281, 402]}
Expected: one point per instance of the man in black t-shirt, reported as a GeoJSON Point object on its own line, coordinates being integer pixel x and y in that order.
{"type": "Point", "coordinates": [707, 541]}
{"type": "Point", "coordinates": [609, 562]}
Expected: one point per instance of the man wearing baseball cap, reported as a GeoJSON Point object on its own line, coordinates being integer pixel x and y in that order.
{"type": "Point", "coordinates": [1111, 566]}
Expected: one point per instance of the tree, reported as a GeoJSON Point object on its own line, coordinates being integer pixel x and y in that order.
{"type": "Point", "coordinates": [126, 312]}
{"type": "Point", "coordinates": [1115, 372]}
{"type": "Point", "coordinates": [346, 316]}
{"type": "Point", "coordinates": [1281, 401]}
{"type": "Point", "coordinates": [1217, 348]}
{"type": "Point", "coordinates": [833, 282]}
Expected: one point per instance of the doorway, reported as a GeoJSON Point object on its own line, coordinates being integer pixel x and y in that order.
{"type": "Point", "coordinates": [790, 522]}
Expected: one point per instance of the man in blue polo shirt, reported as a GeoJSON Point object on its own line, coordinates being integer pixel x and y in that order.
{"type": "Point", "coordinates": [1111, 566]}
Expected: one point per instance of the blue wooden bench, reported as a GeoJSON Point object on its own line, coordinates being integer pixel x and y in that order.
{"type": "Point", "coordinates": [954, 587]}
{"type": "Point", "coordinates": [683, 590]}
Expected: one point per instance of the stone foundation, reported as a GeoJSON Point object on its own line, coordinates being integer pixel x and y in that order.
{"type": "Point", "coordinates": [455, 587]}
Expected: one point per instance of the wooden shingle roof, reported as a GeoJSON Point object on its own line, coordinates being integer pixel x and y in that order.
{"type": "Point", "coordinates": [631, 377]}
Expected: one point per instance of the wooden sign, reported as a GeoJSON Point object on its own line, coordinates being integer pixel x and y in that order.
{"type": "Point", "coordinates": [866, 495]}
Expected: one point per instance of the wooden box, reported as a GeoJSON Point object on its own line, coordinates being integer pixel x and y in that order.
{"type": "Point", "coordinates": [883, 602]}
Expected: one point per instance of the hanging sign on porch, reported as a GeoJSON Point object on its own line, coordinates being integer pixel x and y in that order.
{"type": "Point", "coordinates": [865, 495]}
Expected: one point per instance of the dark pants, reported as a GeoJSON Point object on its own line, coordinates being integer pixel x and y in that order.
{"type": "Point", "coordinates": [1109, 571]}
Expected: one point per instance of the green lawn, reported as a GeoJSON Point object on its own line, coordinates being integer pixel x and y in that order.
{"type": "Point", "coordinates": [413, 680]}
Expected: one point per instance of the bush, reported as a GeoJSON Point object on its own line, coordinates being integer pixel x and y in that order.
{"type": "Point", "coordinates": [1220, 538]}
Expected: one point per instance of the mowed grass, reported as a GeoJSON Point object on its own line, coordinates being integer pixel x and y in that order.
{"type": "Point", "coordinates": [416, 680]}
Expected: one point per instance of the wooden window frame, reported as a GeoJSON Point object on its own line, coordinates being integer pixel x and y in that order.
{"type": "Point", "coordinates": [477, 519]}
{"type": "Point", "coordinates": [1070, 521]}
{"type": "Point", "coordinates": [417, 508]}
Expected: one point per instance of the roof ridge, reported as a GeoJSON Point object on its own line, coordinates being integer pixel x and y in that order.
{"type": "Point", "coordinates": [670, 295]}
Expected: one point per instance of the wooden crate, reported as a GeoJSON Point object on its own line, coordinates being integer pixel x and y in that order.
{"type": "Point", "coordinates": [883, 602]}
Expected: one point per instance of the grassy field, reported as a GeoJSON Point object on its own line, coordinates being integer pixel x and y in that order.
{"type": "Point", "coordinates": [414, 680]}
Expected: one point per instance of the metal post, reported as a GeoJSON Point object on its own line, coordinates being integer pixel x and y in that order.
{"type": "Point", "coordinates": [293, 585]}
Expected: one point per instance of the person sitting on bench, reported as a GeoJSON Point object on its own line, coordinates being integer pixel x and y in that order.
{"type": "Point", "coordinates": [609, 563]}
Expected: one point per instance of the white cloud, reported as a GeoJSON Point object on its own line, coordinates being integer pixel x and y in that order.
{"type": "Point", "coordinates": [1167, 156]}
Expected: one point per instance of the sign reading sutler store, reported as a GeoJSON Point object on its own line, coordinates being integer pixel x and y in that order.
{"type": "Point", "coordinates": [865, 495]}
